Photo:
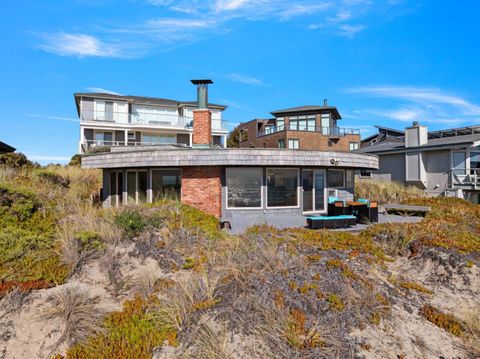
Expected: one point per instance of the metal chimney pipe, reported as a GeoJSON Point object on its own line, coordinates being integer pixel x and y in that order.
{"type": "Point", "coordinates": [325, 103]}
{"type": "Point", "coordinates": [202, 92]}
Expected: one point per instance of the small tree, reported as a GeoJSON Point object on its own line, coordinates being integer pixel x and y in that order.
{"type": "Point", "coordinates": [233, 139]}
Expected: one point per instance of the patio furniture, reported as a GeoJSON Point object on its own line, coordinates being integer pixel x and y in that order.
{"type": "Point", "coordinates": [407, 210]}
{"type": "Point", "coordinates": [354, 207]}
{"type": "Point", "coordinates": [336, 208]}
{"type": "Point", "coordinates": [331, 222]}
{"type": "Point", "coordinates": [368, 214]}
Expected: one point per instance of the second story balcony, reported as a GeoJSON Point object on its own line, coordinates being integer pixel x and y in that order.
{"type": "Point", "coordinates": [154, 120]}
{"type": "Point", "coordinates": [468, 178]}
{"type": "Point", "coordinates": [326, 131]}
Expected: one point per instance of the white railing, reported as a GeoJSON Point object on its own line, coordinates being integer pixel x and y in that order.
{"type": "Point", "coordinates": [465, 177]}
{"type": "Point", "coordinates": [327, 131]}
{"type": "Point", "coordinates": [89, 144]}
{"type": "Point", "coordinates": [146, 119]}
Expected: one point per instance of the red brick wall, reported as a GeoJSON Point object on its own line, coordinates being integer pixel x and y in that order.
{"type": "Point", "coordinates": [202, 188]}
{"type": "Point", "coordinates": [202, 127]}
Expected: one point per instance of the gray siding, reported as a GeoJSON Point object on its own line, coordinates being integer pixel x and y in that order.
{"type": "Point", "coordinates": [437, 165]}
{"type": "Point", "coordinates": [87, 109]}
{"type": "Point", "coordinates": [392, 168]}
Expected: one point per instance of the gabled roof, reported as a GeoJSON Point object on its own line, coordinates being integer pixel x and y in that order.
{"type": "Point", "coordinates": [399, 132]}
{"type": "Point", "coordinates": [307, 109]}
{"type": "Point", "coordinates": [141, 100]}
{"type": "Point", "coordinates": [4, 148]}
{"type": "Point", "coordinates": [432, 143]}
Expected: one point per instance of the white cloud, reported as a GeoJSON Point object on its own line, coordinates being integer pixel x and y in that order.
{"type": "Point", "coordinates": [81, 45]}
{"type": "Point", "coordinates": [350, 31]}
{"type": "Point", "coordinates": [249, 80]}
{"type": "Point", "coordinates": [230, 5]}
{"type": "Point", "coordinates": [50, 117]}
{"type": "Point", "coordinates": [301, 10]}
{"type": "Point", "coordinates": [102, 90]}
{"type": "Point", "coordinates": [422, 95]}
{"type": "Point", "coordinates": [413, 103]}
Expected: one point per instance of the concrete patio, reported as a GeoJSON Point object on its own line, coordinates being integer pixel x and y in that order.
{"type": "Point", "coordinates": [240, 224]}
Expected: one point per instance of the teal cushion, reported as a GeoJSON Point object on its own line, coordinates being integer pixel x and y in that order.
{"type": "Point", "coordinates": [363, 200]}
{"type": "Point", "coordinates": [345, 216]}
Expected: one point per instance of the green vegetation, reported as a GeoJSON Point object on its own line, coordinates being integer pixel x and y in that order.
{"type": "Point", "coordinates": [447, 322]}
{"type": "Point", "coordinates": [131, 333]}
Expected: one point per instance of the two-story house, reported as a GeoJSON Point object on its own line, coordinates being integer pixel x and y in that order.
{"type": "Point", "coordinates": [445, 162]}
{"type": "Point", "coordinates": [304, 127]}
{"type": "Point", "coordinates": [114, 120]}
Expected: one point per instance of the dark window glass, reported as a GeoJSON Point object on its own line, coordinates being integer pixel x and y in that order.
{"type": "Point", "coordinates": [244, 187]}
{"type": "Point", "coordinates": [166, 183]}
{"type": "Point", "coordinates": [282, 186]}
{"type": "Point", "coordinates": [335, 178]}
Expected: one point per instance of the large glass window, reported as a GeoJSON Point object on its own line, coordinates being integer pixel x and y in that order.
{"type": "Point", "coordinates": [244, 187]}
{"type": "Point", "coordinates": [302, 123]}
{"type": "Point", "coordinates": [136, 187]}
{"type": "Point", "coordinates": [103, 138]}
{"type": "Point", "coordinates": [336, 178]}
{"type": "Point", "coordinates": [166, 183]}
{"type": "Point", "coordinates": [349, 179]}
{"type": "Point", "coordinates": [159, 138]}
{"type": "Point", "coordinates": [132, 187]}
{"type": "Point", "coordinates": [282, 187]}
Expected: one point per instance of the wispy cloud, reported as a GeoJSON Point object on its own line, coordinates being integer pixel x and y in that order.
{"type": "Point", "coordinates": [102, 90]}
{"type": "Point", "coordinates": [50, 117]}
{"type": "Point", "coordinates": [80, 45]}
{"type": "Point", "coordinates": [249, 80]}
{"type": "Point", "coordinates": [413, 103]}
{"type": "Point", "coordinates": [185, 21]}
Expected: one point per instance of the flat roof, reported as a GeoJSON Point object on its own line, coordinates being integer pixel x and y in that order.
{"type": "Point", "coordinates": [156, 156]}
{"type": "Point", "coordinates": [6, 148]}
{"type": "Point", "coordinates": [307, 109]}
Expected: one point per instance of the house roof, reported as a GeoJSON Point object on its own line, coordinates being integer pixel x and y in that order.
{"type": "Point", "coordinates": [6, 148]}
{"type": "Point", "coordinates": [432, 143]}
{"type": "Point", "coordinates": [307, 109]}
{"type": "Point", "coordinates": [141, 100]}
{"type": "Point", "coordinates": [399, 132]}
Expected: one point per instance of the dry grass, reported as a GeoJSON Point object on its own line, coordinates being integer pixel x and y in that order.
{"type": "Point", "coordinates": [386, 192]}
{"type": "Point", "coordinates": [209, 342]}
{"type": "Point", "coordinates": [111, 264]}
{"type": "Point", "coordinates": [472, 323]}
{"type": "Point", "coordinates": [76, 311]}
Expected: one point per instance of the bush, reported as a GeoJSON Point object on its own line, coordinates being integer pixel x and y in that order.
{"type": "Point", "coordinates": [75, 161]}
{"type": "Point", "coordinates": [131, 222]}
{"type": "Point", "coordinates": [98, 149]}
{"type": "Point", "coordinates": [385, 191]}
{"type": "Point", "coordinates": [53, 178]}
{"type": "Point", "coordinates": [17, 203]}
{"type": "Point", "coordinates": [445, 321]}
{"type": "Point", "coordinates": [15, 160]}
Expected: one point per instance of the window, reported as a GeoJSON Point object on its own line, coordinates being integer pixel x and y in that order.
{"type": "Point", "coordinates": [244, 187]}
{"type": "Point", "coordinates": [349, 179]}
{"type": "Point", "coordinates": [268, 129]}
{"type": "Point", "coordinates": [166, 183]}
{"type": "Point", "coordinates": [109, 111]}
{"type": "Point", "coordinates": [294, 143]}
{"type": "Point", "coordinates": [280, 124]}
{"type": "Point", "coordinates": [365, 174]}
{"type": "Point", "coordinates": [136, 187]}
{"type": "Point", "coordinates": [302, 123]}
{"type": "Point", "coordinates": [104, 138]}
{"type": "Point", "coordinates": [281, 143]}
{"type": "Point", "coordinates": [336, 178]}
{"type": "Point", "coordinates": [282, 187]}
{"type": "Point", "coordinates": [159, 138]}
{"type": "Point", "coordinates": [131, 136]}
{"type": "Point", "coordinates": [325, 123]}
{"type": "Point", "coordinates": [354, 146]}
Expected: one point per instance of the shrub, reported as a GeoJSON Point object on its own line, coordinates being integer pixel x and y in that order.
{"type": "Point", "coordinates": [98, 149]}
{"type": "Point", "coordinates": [131, 222]}
{"type": "Point", "coordinates": [445, 321]}
{"type": "Point", "coordinates": [17, 203]}
{"type": "Point", "coordinates": [386, 191]}
{"type": "Point", "coordinates": [53, 178]}
{"type": "Point", "coordinates": [336, 303]}
{"type": "Point", "coordinates": [75, 161]}
{"type": "Point", "coordinates": [131, 333]}
{"type": "Point", "coordinates": [14, 160]}
{"type": "Point", "coordinates": [415, 286]}
{"type": "Point", "coordinates": [77, 312]}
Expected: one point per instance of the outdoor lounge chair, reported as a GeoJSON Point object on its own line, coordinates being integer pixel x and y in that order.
{"type": "Point", "coordinates": [369, 213]}
{"type": "Point", "coordinates": [331, 222]}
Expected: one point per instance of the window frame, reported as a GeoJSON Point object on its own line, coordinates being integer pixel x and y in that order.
{"type": "Point", "coordinates": [137, 183]}
{"type": "Point", "coordinates": [282, 140]}
{"type": "Point", "coordinates": [262, 184]}
{"type": "Point", "coordinates": [266, 187]}
{"type": "Point", "coordinates": [294, 139]}
{"type": "Point", "coordinates": [356, 145]}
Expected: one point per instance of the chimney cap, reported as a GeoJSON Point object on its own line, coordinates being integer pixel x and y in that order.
{"type": "Point", "coordinates": [415, 123]}
{"type": "Point", "coordinates": [202, 82]}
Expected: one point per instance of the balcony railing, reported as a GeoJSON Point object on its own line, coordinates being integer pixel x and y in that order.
{"type": "Point", "coordinates": [469, 177]}
{"type": "Point", "coordinates": [145, 119]}
{"type": "Point", "coordinates": [327, 131]}
{"type": "Point", "coordinates": [89, 144]}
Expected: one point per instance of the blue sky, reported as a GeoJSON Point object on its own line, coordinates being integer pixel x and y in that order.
{"type": "Point", "coordinates": [380, 62]}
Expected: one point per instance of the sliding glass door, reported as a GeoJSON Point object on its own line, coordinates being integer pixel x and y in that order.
{"type": "Point", "coordinates": [136, 187]}
{"type": "Point", "coordinates": [313, 190]}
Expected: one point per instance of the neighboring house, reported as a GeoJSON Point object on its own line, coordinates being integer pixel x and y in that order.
{"type": "Point", "coordinates": [304, 128]}
{"type": "Point", "coordinates": [4, 148]}
{"type": "Point", "coordinates": [443, 162]}
{"type": "Point", "coordinates": [384, 134]}
{"type": "Point", "coordinates": [233, 184]}
{"type": "Point", "coordinates": [114, 120]}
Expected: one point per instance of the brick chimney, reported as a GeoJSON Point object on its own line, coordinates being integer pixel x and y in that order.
{"type": "Point", "coordinates": [202, 117]}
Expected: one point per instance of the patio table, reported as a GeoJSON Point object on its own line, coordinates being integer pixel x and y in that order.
{"type": "Point", "coordinates": [354, 207]}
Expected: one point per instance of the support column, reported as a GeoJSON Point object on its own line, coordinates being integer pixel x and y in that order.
{"type": "Point", "coordinates": [190, 135]}
{"type": "Point", "coordinates": [126, 137]}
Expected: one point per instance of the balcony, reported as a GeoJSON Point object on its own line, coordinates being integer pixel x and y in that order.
{"type": "Point", "coordinates": [326, 131]}
{"type": "Point", "coordinates": [465, 178]}
{"type": "Point", "coordinates": [89, 145]}
{"type": "Point", "coordinates": [153, 120]}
